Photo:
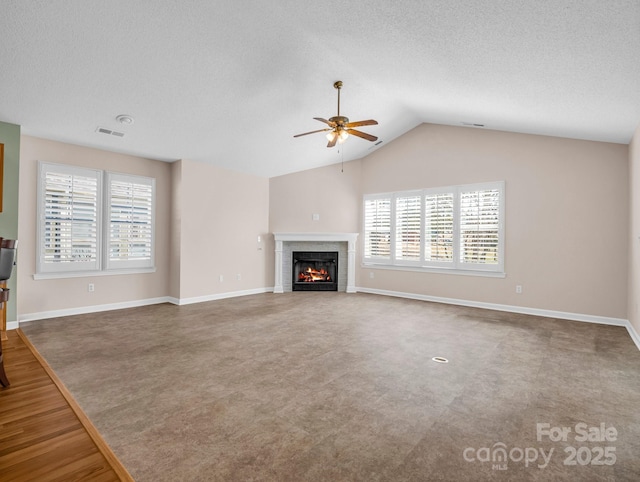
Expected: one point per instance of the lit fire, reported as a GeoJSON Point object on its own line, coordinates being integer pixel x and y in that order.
{"type": "Point", "coordinates": [311, 275]}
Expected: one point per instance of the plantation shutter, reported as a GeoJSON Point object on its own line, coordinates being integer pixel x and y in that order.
{"type": "Point", "coordinates": [408, 228]}
{"type": "Point", "coordinates": [479, 227]}
{"type": "Point", "coordinates": [438, 221]}
{"type": "Point", "coordinates": [457, 228]}
{"type": "Point", "coordinates": [130, 204]}
{"type": "Point", "coordinates": [377, 228]}
{"type": "Point", "coordinates": [69, 218]}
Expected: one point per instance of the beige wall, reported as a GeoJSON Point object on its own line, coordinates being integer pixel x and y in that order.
{"type": "Point", "coordinates": [221, 215]}
{"type": "Point", "coordinates": [38, 296]}
{"type": "Point", "coordinates": [634, 231]}
{"type": "Point", "coordinates": [207, 224]}
{"type": "Point", "coordinates": [175, 227]}
{"type": "Point", "coordinates": [332, 192]}
{"type": "Point", "coordinates": [566, 213]}
{"type": "Point", "coordinates": [209, 220]}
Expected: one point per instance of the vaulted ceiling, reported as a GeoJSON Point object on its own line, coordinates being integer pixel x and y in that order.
{"type": "Point", "coordinates": [231, 82]}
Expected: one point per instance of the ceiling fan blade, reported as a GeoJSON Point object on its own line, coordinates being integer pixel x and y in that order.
{"type": "Point", "coordinates": [369, 122]}
{"type": "Point", "coordinates": [333, 140]}
{"type": "Point", "coordinates": [312, 132]}
{"type": "Point", "coordinates": [363, 135]}
{"type": "Point", "coordinates": [329, 123]}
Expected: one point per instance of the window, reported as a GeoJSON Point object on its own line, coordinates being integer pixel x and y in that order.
{"type": "Point", "coordinates": [130, 220]}
{"type": "Point", "coordinates": [92, 221]}
{"type": "Point", "coordinates": [438, 227]}
{"type": "Point", "coordinates": [377, 228]}
{"type": "Point", "coordinates": [479, 227]}
{"type": "Point", "coordinates": [407, 216]}
{"type": "Point", "coordinates": [454, 228]}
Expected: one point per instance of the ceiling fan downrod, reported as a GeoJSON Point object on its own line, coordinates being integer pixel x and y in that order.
{"type": "Point", "coordinates": [340, 121]}
{"type": "Point", "coordinates": [338, 85]}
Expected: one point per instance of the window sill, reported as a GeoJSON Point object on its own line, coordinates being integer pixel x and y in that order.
{"type": "Point", "coordinates": [91, 274]}
{"type": "Point", "coordinates": [424, 269]}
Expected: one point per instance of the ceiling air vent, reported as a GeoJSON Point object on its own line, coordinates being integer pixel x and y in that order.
{"type": "Point", "coordinates": [109, 132]}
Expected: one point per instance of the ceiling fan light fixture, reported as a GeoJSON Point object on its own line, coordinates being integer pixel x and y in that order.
{"type": "Point", "coordinates": [342, 136]}
{"type": "Point", "coordinates": [331, 135]}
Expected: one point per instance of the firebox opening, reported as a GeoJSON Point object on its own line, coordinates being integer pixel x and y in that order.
{"type": "Point", "coordinates": [315, 271]}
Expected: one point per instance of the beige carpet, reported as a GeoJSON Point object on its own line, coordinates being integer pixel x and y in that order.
{"type": "Point", "coordinates": [334, 386]}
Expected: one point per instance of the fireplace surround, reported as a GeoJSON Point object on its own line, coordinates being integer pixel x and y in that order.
{"type": "Point", "coordinates": [287, 243]}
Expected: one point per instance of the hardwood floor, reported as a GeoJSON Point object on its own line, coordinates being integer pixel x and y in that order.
{"type": "Point", "coordinates": [44, 435]}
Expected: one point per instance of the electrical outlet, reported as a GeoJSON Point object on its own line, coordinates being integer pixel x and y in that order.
{"type": "Point", "coordinates": [239, 277]}
{"type": "Point", "coordinates": [221, 278]}
{"type": "Point", "coordinates": [519, 289]}
{"type": "Point", "coordinates": [371, 275]}
{"type": "Point", "coordinates": [315, 217]}
{"type": "Point", "coordinates": [91, 287]}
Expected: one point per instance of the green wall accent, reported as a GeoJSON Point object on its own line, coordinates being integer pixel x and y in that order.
{"type": "Point", "coordinates": [10, 137]}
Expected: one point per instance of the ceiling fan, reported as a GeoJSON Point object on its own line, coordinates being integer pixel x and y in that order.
{"type": "Point", "coordinates": [339, 126]}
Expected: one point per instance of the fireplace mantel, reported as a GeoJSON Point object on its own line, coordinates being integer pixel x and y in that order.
{"type": "Point", "coordinates": [349, 238]}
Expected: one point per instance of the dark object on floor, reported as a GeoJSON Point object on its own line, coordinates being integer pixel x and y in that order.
{"type": "Point", "coordinates": [7, 260]}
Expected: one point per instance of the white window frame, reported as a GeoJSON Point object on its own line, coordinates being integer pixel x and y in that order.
{"type": "Point", "coordinates": [117, 264]}
{"type": "Point", "coordinates": [499, 266]}
{"type": "Point", "coordinates": [67, 267]}
{"type": "Point", "coordinates": [375, 197]}
{"type": "Point", "coordinates": [436, 191]}
{"type": "Point", "coordinates": [455, 265]}
{"type": "Point", "coordinates": [102, 265]}
{"type": "Point", "coordinates": [394, 229]}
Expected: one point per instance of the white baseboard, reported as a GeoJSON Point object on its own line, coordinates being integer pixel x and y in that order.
{"type": "Point", "coordinates": [12, 325]}
{"type": "Point", "coordinates": [221, 296]}
{"type": "Point", "coordinates": [91, 309]}
{"type": "Point", "coordinates": [633, 334]}
{"type": "Point", "coordinates": [130, 304]}
{"type": "Point", "coordinates": [510, 308]}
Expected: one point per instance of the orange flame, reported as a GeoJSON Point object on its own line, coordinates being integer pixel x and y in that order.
{"type": "Point", "coordinates": [311, 275]}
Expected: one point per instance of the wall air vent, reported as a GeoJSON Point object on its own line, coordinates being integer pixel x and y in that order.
{"type": "Point", "coordinates": [471, 124]}
{"type": "Point", "coordinates": [109, 132]}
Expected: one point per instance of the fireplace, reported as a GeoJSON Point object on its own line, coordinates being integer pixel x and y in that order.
{"type": "Point", "coordinates": [288, 243]}
{"type": "Point", "coordinates": [314, 271]}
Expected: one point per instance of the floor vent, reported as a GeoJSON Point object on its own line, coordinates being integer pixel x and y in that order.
{"type": "Point", "coordinates": [440, 359]}
{"type": "Point", "coordinates": [102, 130]}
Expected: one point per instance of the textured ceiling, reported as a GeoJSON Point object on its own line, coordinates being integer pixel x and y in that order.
{"type": "Point", "coordinates": [231, 82]}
